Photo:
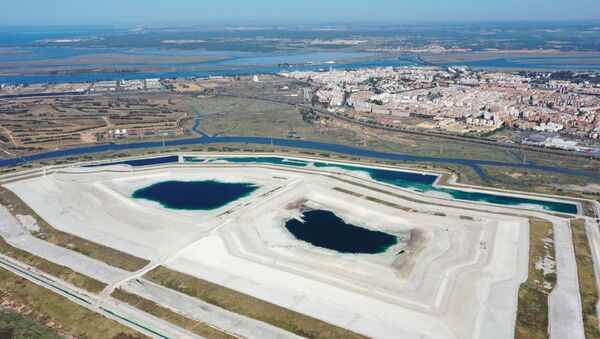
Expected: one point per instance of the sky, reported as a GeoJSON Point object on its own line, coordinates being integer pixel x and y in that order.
{"type": "Point", "coordinates": [169, 12]}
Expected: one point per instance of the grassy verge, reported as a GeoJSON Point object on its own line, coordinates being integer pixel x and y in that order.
{"type": "Point", "coordinates": [246, 305]}
{"type": "Point", "coordinates": [587, 279]}
{"type": "Point", "coordinates": [93, 250]}
{"type": "Point", "coordinates": [532, 310]}
{"type": "Point", "coordinates": [166, 314]}
{"type": "Point", "coordinates": [373, 199]}
{"type": "Point", "coordinates": [533, 181]}
{"type": "Point", "coordinates": [61, 315]}
{"type": "Point", "coordinates": [15, 325]}
{"type": "Point", "coordinates": [61, 272]}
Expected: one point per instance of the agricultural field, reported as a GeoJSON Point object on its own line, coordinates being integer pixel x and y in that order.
{"type": "Point", "coordinates": [49, 123]}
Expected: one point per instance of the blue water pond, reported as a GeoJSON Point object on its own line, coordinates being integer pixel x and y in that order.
{"type": "Point", "coordinates": [325, 229]}
{"type": "Point", "coordinates": [195, 195]}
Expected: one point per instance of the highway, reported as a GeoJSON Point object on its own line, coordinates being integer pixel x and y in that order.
{"type": "Point", "coordinates": [234, 324]}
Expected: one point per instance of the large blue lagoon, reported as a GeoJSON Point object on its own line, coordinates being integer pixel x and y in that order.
{"type": "Point", "coordinates": [325, 229]}
{"type": "Point", "coordinates": [195, 195]}
{"type": "Point", "coordinates": [416, 181]}
{"type": "Point", "coordinates": [424, 183]}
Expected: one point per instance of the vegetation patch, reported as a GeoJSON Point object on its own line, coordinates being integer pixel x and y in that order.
{"type": "Point", "coordinates": [15, 325]}
{"type": "Point", "coordinates": [61, 272]}
{"type": "Point", "coordinates": [166, 314]}
{"type": "Point", "coordinates": [49, 315]}
{"type": "Point", "coordinates": [587, 279]}
{"type": "Point", "coordinates": [532, 310]}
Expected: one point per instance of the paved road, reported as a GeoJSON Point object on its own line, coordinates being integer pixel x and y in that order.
{"type": "Point", "coordinates": [564, 302]}
{"type": "Point", "coordinates": [18, 237]}
{"type": "Point", "coordinates": [206, 313]}
{"type": "Point", "coordinates": [118, 311]}
{"type": "Point", "coordinates": [197, 309]}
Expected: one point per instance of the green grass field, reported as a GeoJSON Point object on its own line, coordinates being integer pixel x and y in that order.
{"type": "Point", "coordinates": [61, 272]}
{"type": "Point", "coordinates": [15, 325]}
{"type": "Point", "coordinates": [45, 306]}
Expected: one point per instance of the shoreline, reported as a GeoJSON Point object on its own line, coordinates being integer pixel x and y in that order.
{"type": "Point", "coordinates": [217, 66]}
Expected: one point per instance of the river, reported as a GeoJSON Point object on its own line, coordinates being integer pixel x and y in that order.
{"type": "Point", "coordinates": [293, 143]}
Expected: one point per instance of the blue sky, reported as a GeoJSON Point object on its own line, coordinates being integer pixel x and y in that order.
{"type": "Point", "coordinates": [133, 12]}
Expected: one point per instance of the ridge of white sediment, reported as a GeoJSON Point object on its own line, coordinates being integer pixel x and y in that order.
{"type": "Point", "coordinates": [457, 275]}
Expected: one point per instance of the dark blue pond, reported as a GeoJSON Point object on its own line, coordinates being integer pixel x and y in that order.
{"type": "Point", "coordinates": [266, 160]}
{"type": "Point", "coordinates": [195, 195]}
{"type": "Point", "coordinates": [325, 229]}
{"type": "Point", "coordinates": [140, 162]}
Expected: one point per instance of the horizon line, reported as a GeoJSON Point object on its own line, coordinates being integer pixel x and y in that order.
{"type": "Point", "coordinates": [309, 22]}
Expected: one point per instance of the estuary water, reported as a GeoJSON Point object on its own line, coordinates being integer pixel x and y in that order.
{"type": "Point", "coordinates": [555, 63]}
{"type": "Point", "coordinates": [230, 63]}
